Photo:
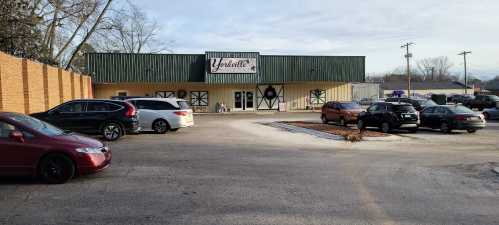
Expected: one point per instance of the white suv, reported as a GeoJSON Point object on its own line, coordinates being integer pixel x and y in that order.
{"type": "Point", "coordinates": [163, 114]}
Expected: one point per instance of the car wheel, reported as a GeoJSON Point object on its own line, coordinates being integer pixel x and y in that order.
{"type": "Point", "coordinates": [112, 131]}
{"type": "Point", "coordinates": [385, 127]}
{"type": "Point", "coordinates": [56, 169]}
{"type": "Point", "coordinates": [486, 116]}
{"type": "Point", "coordinates": [174, 129]}
{"type": "Point", "coordinates": [471, 131]}
{"type": "Point", "coordinates": [324, 119]}
{"type": "Point", "coordinates": [361, 125]}
{"type": "Point", "coordinates": [445, 128]}
{"type": "Point", "coordinates": [342, 122]}
{"type": "Point", "coordinates": [160, 126]}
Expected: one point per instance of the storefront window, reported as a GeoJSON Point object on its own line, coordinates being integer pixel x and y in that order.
{"type": "Point", "coordinates": [165, 94]}
{"type": "Point", "coordinates": [317, 96]}
{"type": "Point", "coordinates": [199, 98]}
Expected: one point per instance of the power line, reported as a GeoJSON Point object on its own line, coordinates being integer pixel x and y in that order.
{"type": "Point", "coordinates": [408, 56]}
{"type": "Point", "coordinates": [464, 53]}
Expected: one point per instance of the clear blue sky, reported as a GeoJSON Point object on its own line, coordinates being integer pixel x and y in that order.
{"type": "Point", "coordinates": [375, 29]}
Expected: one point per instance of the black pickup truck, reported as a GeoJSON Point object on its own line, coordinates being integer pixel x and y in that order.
{"type": "Point", "coordinates": [481, 102]}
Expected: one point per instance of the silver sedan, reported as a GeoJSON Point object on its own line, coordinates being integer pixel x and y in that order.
{"type": "Point", "coordinates": [491, 113]}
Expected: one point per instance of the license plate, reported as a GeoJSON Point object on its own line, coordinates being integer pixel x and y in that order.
{"type": "Point", "coordinates": [407, 116]}
{"type": "Point", "coordinates": [473, 118]}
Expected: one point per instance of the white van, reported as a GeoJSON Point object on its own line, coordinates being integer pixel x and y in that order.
{"type": "Point", "coordinates": [163, 114]}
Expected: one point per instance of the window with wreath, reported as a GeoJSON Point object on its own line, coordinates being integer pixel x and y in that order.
{"type": "Point", "coordinates": [317, 96]}
{"type": "Point", "coordinates": [165, 94]}
{"type": "Point", "coordinates": [199, 98]}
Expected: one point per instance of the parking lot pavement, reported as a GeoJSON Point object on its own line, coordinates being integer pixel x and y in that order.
{"type": "Point", "coordinates": [233, 170]}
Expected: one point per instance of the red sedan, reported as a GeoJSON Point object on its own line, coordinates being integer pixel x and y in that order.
{"type": "Point", "coordinates": [29, 146]}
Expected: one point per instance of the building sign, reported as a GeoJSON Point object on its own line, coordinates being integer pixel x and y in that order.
{"type": "Point", "coordinates": [233, 65]}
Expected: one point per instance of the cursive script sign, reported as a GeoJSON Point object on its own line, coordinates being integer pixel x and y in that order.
{"type": "Point", "coordinates": [233, 65]}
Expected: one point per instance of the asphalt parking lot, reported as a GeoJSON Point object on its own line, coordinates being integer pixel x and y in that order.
{"type": "Point", "coordinates": [232, 170]}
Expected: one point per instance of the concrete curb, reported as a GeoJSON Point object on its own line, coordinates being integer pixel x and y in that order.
{"type": "Point", "coordinates": [326, 135]}
{"type": "Point", "coordinates": [296, 129]}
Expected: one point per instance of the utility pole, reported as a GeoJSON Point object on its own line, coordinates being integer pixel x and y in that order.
{"type": "Point", "coordinates": [432, 69]}
{"type": "Point", "coordinates": [408, 56]}
{"type": "Point", "coordinates": [464, 53]}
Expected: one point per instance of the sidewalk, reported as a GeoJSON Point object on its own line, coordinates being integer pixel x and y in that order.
{"type": "Point", "coordinates": [270, 112]}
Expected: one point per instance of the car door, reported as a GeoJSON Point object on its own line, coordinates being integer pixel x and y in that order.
{"type": "Point", "coordinates": [96, 113]}
{"type": "Point", "coordinates": [426, 116]}
{"type": "Point", "coordinates": [494, 113]}
{"type": "Point", "coordinates": [479, 101]}
{"type": "Point", "coordinates": [166, 110]}
{"type": "Point", "coordinates": [438, 117]}
{"type": "Point", "coordinates": [147, 113]}
{"type": "Point", "coordinates": [332, 111]}
{"type": "Point", "coordinates": [380, 114]}
{"type": "Point", "coordinates": [369, 118]}
{"type": "Point", "coordinates": [67, 116]}
{"type": "Point", "coordinates": [18, 158]}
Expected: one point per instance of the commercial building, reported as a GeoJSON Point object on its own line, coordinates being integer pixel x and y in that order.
{"type": "Point", "coordinates": [425, 88]}
{"type": "Point", "coordinates": [242, 81]}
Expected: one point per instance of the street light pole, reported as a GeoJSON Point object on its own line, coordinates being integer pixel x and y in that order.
{"type": "Point", "coordinates": [432, 69]}
{"type": "Point", "coordinates": [408, 57]}
{"type": "Point", "coordinates": [464, 53]}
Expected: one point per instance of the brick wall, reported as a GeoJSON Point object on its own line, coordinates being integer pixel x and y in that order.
{"type": "Point", "coordinates": [28, 87]}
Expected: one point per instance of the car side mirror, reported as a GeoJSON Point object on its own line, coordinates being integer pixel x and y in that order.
{"type": "Point", "coordinates": [17, 136]}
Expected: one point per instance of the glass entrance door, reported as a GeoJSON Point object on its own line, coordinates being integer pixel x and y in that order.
{"type": "Point", "coordinates": [244, 100]}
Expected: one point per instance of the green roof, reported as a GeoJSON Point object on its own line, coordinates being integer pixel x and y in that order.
{"type": "Point", "coordinates": [165, 68]}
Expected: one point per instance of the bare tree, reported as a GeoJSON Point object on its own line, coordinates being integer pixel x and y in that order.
{"type": "Point", "coordinates": [89, 33]}
{"type": "Point", "coordinates": [51, 31]}
{"type": "Point", "coordinates": [129, 30]}
{"type": "Point", "coordinates": [437, 68]}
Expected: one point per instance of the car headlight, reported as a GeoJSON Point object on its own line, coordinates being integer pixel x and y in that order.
{"type": "Point", "coordinates": [89, 150]}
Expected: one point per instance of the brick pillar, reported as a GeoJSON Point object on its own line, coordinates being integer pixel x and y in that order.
{"type": "Point", "coordinates": [82, 96]}
{"type": "Point", "coordinates": [61, 91]}
{"type": "Point", "coordinates": [90, 88]}
{"type": "Point", "coordinates": [46, 87]}
{"type": "Point", "coordinates": [1, 95]}
{"type": "Point", "coordinates": [72, 79]}
{"type": "Point", "coordinates": [25, 85]}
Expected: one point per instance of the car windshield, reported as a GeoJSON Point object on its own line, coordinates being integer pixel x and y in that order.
{"type": "Point", "coordinates": [183, 105]}
{"type": "Point", "coordinates": [404, 108]}
{"type": "Point", "coordinates": [461, 110]}
{"type": "Point", "coordinates": [349, 106]}
{"type": "Point", "coordinates": [38, 125]}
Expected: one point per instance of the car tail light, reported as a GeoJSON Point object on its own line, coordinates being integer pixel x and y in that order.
{"type": "Point", "coordinates": [460, 117]}
{"type": "Point", "coordinates": [130, 110]}
{"type": "Point", "coordinates": [181, 113]}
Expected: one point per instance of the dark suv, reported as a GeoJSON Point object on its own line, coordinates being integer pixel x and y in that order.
{"type": "Point", "coordinates": [418, 103]}
{"type": "Point", "coordinates": [390, 115]}
{"type": "Point", "coordinates": [110, 118]}
{"type": "Point", "coordinates": [482, 102]}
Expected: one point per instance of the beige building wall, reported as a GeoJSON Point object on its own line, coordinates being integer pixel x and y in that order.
{"type": "Point", "coordinates": [295, 94]}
